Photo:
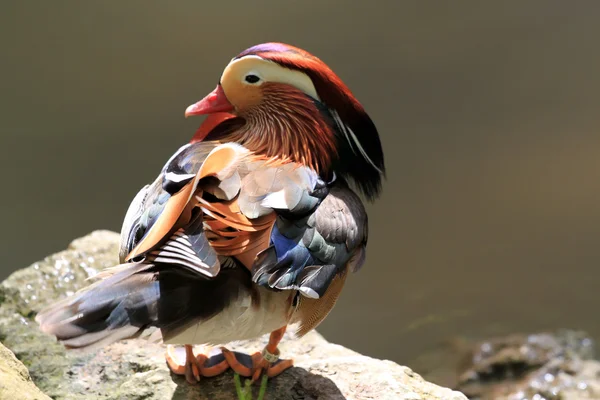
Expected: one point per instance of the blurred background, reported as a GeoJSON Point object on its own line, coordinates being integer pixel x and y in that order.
{"type": "Point", "coordinates": [488, 112]}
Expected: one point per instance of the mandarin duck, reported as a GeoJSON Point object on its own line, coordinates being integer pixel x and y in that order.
{"type": "Point", "coordinates": [251, 227]}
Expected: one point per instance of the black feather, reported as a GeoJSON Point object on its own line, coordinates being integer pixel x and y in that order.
{"type": "Point", "coordinates": [141, 296]}
{"type": "Point", "coordinates": [365, 174]}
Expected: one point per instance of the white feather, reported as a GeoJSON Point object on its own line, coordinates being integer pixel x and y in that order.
{"type": "Point", "coordinates": [173, 177]}
{"type": "Point", "coordinates": [240, 320]}
{"type": "Point", "coordinates": [275, 200]}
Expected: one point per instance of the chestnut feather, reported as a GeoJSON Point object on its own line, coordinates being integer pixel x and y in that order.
{"type": "Point", "coordinates": [288, 124]}
{"type": "Point", "coordinates": [366, 170]}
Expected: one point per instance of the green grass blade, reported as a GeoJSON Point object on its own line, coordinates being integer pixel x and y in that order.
{"type": "Point", "coordinates": [263, 387]}
{"type": "Point", "coordinates": [248, 389]}
{"type": "Point", "coordinates": [238, 387]}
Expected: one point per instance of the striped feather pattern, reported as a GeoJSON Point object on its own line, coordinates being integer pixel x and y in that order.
{"type": "Point", "coordinates": [188, 248]}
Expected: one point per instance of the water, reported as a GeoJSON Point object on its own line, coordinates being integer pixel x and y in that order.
{"type": "Point", "coordinates": [490, 218]}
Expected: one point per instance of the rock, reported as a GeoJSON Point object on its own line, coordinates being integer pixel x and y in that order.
{"type": "Point", "coordinates": [543, 366]}
{"type": "Point", "coordinates": [15, 382]}
{"type": "Point", "coordinates": [136, 369]}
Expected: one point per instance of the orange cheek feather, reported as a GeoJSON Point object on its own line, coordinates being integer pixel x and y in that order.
{"type": "Point", "coordinates": [211, 121]}
{"type": "Point", "coordinates": [245, 97]}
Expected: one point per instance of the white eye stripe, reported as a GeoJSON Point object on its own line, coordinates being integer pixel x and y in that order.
{"type": "Point", "coordinates": [254, 72]}
{"type": "Point", "coordinates": [247, 57]}
{"type": "Point", "coordinates": [267, 71]}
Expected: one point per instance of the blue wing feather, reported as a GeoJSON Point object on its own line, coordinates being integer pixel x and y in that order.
{"type": "Point", "coordinates": [307, 252]}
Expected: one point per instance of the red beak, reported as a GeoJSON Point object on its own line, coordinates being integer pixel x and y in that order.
{"type": "Point", "coordinates": [214, 102]}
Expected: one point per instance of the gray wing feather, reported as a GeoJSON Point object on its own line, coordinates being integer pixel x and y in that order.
{"type": "Point", "coordinates": [307, 253]}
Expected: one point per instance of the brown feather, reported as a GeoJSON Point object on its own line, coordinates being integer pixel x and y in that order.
{"type": "Point", "coordinates": [311, 312]}
{"type": "Point", "coordinates": [287, 126]}
{"type": "Point", "coordinates": [229, 214]}
{"type": "Point", "coordinates": [366, 173]}
{"type": "Point", "coordinates": [235, 235]}
{"type": "Point", "coordinates": [166, 223]}
{"type": "Point", "coordinates": [218, 164]}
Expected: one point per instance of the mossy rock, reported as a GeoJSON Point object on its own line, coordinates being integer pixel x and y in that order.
{"type": "Point", "coordinates": [136, 369]}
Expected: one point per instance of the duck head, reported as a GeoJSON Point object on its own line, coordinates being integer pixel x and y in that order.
{"type": "Point", "coordinates": [288, 103]}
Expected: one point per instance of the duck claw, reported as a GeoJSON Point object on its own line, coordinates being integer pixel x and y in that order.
{"type": "Point", "coordinates": [254, 366]}
{"type": "Point", "coordinates": [195, 366]}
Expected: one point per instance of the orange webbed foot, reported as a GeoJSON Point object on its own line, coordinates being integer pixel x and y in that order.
{"type": "Point", "coordinates": [194, 366]}
{"type": "Point", "coordinates": [257, 364]}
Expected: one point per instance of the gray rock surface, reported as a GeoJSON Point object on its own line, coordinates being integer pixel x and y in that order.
{"type": "Point", "coordinates": [543, 366]}
{"type": "Point", "coordinates": [136, 370]}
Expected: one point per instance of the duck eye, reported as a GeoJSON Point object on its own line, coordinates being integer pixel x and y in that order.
{"type": "Point", "coordinates": [251, 78]}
